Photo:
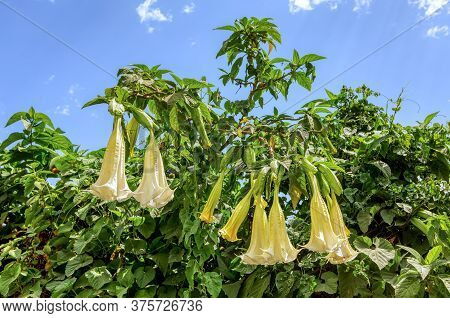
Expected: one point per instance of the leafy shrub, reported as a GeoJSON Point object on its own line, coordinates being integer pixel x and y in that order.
{"type": "Point", "coordinates": [58, 240]}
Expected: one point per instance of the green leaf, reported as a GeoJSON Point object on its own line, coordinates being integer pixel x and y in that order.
{"type": "Point", "coordinates": [162, 261]}
{"type": "Point", "coordinates": [213, 283]}
{"type": "Point", "coordinates": [8, 276]}
{"type": "Point", "coordinates": [259, 286]}
{"type": "Point", "coordinates": [408, 285]}
{"type": "Point", "coordinates": [59, 288]}
{"type": "Point", "coordinates": [279, 60]}
{"type": "Point", "coordinates": [405, 207]}
{"type": "Point", "coordinates": [15, 136]}
{"type": "Point", "coordinates": [364, 219]}
{"type": "Point", "coordinates": [97, 100]}
{"type": "Point", "coordinates": [125, 277]}
{"type": "Point", "coordinates": [329, 285]}
{"type": "Point", "coordinates": [433, 254]}
{"type": "Point", "coordinates": [303, 80]}
{"type": "Point", "coordinates": [136, 246]}
{"type": "Point", "coordinates": [45, 119]}
{"type": "Point", "coordinates": [308, 58]}
{"type": "Point", "coordinates": [15, 118]}
{"type": "Point", "coordinates": [176, 254]}
{"type": "Point", "coordinates": [232, 289]}
{"type": "Point", "coordinates": [384, 168]}
{"type": "Point", "coordinates": [148, 227]}
{"type": "Point", "coordinates": [191, 269]}
{"type": "Point", "coordinates": [412, 251]}
{"type": "Point", "coordinates": [98, 277]}
{"type": "Point", "coordinates": [173, 119]}
{"type": "Point", "coordinates": [428, 119]}
{"type": "Point", "coordinates": [347, 287]}
{"type": "Point", "coordinates": [226, 28]}
{"type": "Point", "coordinates": [144, 275]}
{"type": "Point", "coordinates": [445, 280]}
{"type": "Point", "coordinates": [387, 216]}
{"type": "Point", "coordinates": [422, 269]}
{"type": "Point", "coordinates": [255, 285]}
{"type": "Point", "coordinates": [284, 282]}
{"type": "Point", "coordinates": [77, 262]}
{"type": "Point", "coordinates": [141, 117]}
{"type": "Point", "coordinates": [149, 292]}
{"type": "Point", "coordinates": [381, 253]}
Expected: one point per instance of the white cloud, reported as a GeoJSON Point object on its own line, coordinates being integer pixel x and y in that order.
{"type": "Point", "coordinates": [437, 31]}
{"type": "Point", "coordinates": [73, 88]}
{"type": "Point", "coordinates": [150, 29]}
{"type": "Point", "coordinates": [193, 43]}
{"type": "Point", "coordinates": [50, 79]}
{"type": "Point", "coordinates": [361, 4]}
{"type": "Point", "coordinates": [298, 5]}
{"type": "Point", "coordinates": [430, 7]}
{"type": "Point", "coordinates": [146, 12]}
{"type": "Point", "coordinates": [189, 8]}
{"type": "Point", "coordinates": [307, 5]}
{"type": "Point", "coordinates": [63, 110]}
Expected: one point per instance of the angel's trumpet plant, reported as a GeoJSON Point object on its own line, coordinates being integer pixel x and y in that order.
{"type": "Point", "coordinates": [280, 247]}
{"type": "Point", "coordinates": [153, 191]}
{"type": "Point", "coordinates": [112, 183]}
{"type": "Point", "coordinates": [343, 252]}
{"type": "Point", "coordinates": [323, 238]}
{"type": "Point", "coordinates": [259, 240]}
{"type": "Point", "coordinates": [213, 199]}
{"type": "Point", "coordinates": [229, 231]}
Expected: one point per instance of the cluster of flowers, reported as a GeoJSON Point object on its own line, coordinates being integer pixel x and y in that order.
{"type": "Point", "coordinates": [111, 185]}
{"type": "Point", "coordinates": [269, 242]}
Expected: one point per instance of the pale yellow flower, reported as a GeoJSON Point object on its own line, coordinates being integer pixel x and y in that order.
{"type": "Point", "coordinates": [280, 249]}
{"type": "Point", "coordinates": [343, 252]}
{"type": "Point", "coordinates": [213, 199]}
{"type": "Point", "coordinates": [323, 238]}
{"type": "Point", "coordinates": [259, 240]}
{"type": "Point", "coordinates": [153, 191]}
{"type": "Point", "coordinates": [229, 231]}
{"type": "Point", "coordinates": [112, 183]}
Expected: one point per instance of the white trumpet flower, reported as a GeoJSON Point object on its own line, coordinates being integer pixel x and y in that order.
{"type": "Point", "coordinates": [322, 238]}
{"type": "Point", "coordinates": [280, 247]}
{"type": "Point", "coordinates": [259, 241]}
{"type": "Point", "coordinates": [343, 252]}
{"type": "Point", "coordinates": [153, 191]}
{"type": "Point", "coordinates": [112, 183]}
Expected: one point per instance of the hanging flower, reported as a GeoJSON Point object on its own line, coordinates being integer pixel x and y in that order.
{"type": "Point", "coordinates": [112, 183]}
{"type": "Point", "coordinates": [323, 238]}
{"type": "Point", "coordinates": [280, 248]}
{"type": "Point", "coordinates": [259, 240]}
{"type": "Point", "coordinates": [153, 191]}
{"type": "Point", "coordinates": [229, 231]}
{"type": "Point", "coordinates": [343, 252]}
{"type": "Point", "coordinates": [213, 199]}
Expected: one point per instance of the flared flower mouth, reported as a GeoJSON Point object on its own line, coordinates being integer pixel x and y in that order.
{"type": "Point", "coordinates": [229, 231]}
{"type": "Point", "coordinates": [213, 199]}
{"type": "Point", "coordinates": [112, 184]}
{"type": "Point", "coordinates": [259, 241]}
{"type": "Point", "coordinates": [280, 247]}
{"type": "Point", "coordinates": [322, 238]}
{"type": "Point", "coordinates": [153, 190]}
{"type": "Point", "coordinates": [343, 252]}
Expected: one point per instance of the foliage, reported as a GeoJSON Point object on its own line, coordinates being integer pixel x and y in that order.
{"type": "Point", "coordinates": [58, 240]}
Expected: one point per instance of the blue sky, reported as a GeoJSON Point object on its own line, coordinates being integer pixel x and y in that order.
{"type": "Point", "coordinates": [39, 71]}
